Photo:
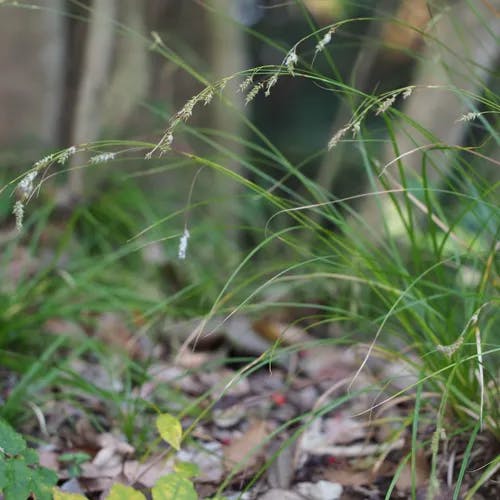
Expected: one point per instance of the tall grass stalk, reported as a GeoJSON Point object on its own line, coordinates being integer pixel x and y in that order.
{"type": "Point", "coordinates": [415, 275]}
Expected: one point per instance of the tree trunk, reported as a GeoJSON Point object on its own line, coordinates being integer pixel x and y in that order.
{"type": "Point", "coordinates": [95, 77]}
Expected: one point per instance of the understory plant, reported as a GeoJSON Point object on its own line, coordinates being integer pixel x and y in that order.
{"type": "Point", "coordinates": [406, 265]}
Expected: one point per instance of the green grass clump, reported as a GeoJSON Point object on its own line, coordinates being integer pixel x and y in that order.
{"type": "Point", "coordinates": [405, 265]}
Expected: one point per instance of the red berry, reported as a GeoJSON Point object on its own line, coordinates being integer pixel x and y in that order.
{"type": "Point", "coordinates": [278, 399]}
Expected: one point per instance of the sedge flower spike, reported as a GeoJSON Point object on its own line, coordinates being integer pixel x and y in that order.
{"type": "Point", "coordinates": [320, 46]}
{"type": "Point", "coordinates": [385, 105]}
{"type": "Point", "coordinates": [25, 185]}
{"type": "Point", "coordinates": [102, 158]}
{"type": "Point", "coordinates": [183, 243]}
{"type": "Point", "coordinates": [18, 212]}
{"type": "Point", "coordinates": [291, 60]}
{"type": "Point", "coordinates": [469, 117]}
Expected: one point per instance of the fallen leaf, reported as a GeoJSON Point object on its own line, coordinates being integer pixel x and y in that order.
{"type": "Point", "coordinates": [230, 416]}
{"type": "Point", "coordinates": [280, 494]}
{"type": "Point", "coordinates": [208, 458]}
{"type": "Point", "coordinates": [327, 362]}
{"type": "Point", "coordinates": [322, 490]}
{"type": "Point", "coordinates": [175, 376]}
{"type": "Point", "coordinates": [244, 339]}
{"type": "Point", "coordinates": [225, 382]}
{"type": "Point", "coordinates": [146, 473]}
{"type": "Point", "coordinates": [348, 477]}
{"type": "Point", "coordinates": [281, 471]}
{"type": "Point", "coordinates": [422, 472]}
{"type": "Point", "coordinates": [72, 486]}
{"type": "Point", "coordinates": [191, 360]}
{"type": "Point", "coordinates": [49, 459]}
{"type": "Point", "coordinates": [92, 471]}
{"type": "Point", "coordinates": [112, 329]}
{"type": "Point", "coordinates": [247, 449]}
{"type": "Point", "coordinates": [275, 331]}
{"type": "Point", "coordinates": [342, 429]}
{"type": "Point", "coordinates": [109, 440]}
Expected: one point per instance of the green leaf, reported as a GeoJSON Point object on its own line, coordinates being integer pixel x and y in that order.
{"type": "Point", "coordinates": [3, 474]}
{"type": "Point", "coordinates": [11, 442]}
{"type": "Point", "coordinates": [17, 474]}
{"type": "Point", "coordinates": [16, 491]}
{"type": "Point", "coordinates": [62, 495]}
{"type": "Point", "coordinates": [31, 457]}
{"type": "Point", "coordinates": [170, 430]}
{"type": "Point", "coordinates": [122, 492]}
{"type": "Point", "coordinates": [77, 458]}
{"type": "Point", "coordinates": [18, 480]}
{"type": "Point", "coordinates": [186, 469]}
{"type": "Point", "coordinates": [174, 487]}
{"type": "Point", "coordinates": [42, 481]}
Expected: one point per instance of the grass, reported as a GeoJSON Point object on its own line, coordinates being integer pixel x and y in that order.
{"type": "Point", "coordinates": [418, 283]}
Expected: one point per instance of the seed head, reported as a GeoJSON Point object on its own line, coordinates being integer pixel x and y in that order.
{"type": "Point", "coordinates": [183, 243]}
{"type": "Point", "coordinates": [63, 157]}
{"type": "Point", "coordinates": [246, 83]}
{"type": "Point", "coordinates": [102, 158]}
{"type": "Point", "coordinates": [291, 60]}
{"type": "Point", "coordinates": [408, 92]}
{"type": "Point", "coordinates": [338, 136]}
{"type": "Point", "coordinates": [327, 38]}
{"type": "Point", "coordinates": [356, 127]}
{"type": "Point", "coordinates": [253, 92]}
{"type": "Point", "coordinates": [271, 83]}
{"type": "Point", "coordinates": [44, 161]}
{"type": "Point", "coordinates": [469, 117]}
{"type": "Point", "coordinates": [385, 105]}
{"type": "Point", "coordinates": [25, 186]}
{"type": "Point", "coordinates": [18, 212]}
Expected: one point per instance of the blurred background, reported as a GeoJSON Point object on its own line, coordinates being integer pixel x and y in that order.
{"type": "Point", "coordinates": [74, 72]}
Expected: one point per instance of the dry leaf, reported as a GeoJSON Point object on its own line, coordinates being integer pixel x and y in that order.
{"type": "Point", "coordinates": [225, 382]}
{"type": "Point", "coordinates": [244, 339]}
{"type": "Point", "coordinates": [279, 494]}
{"type": "Point", "coordinates": [281, 471]}
{"type": "Point", "coordinates": [230, 416]}
{"type": "Point", "coordinates": [422, 472]}
{"type": "Point", "coordinates": [342, 429]}
{"type": "Point", "coordinates": [208, 458]}
{"type": "Point", "coordinates": [322, 490]}
{"type": "Point", "coordinates": [247, 449]}
{"type": "Point", "coordinates": [112, 329]}
{"type": "Point", "coordinates": [348, 477]}
{"type": "Point", "coordinates": [147, 473]}
{"type": "Point", "coordinates": [328, 362]}
{"type": "Point", "coordinates": [49, 459]}
{"type": "Point", "coordinates": [276, 331]}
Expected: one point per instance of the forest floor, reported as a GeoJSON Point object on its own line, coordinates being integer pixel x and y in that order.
{"type": "Point", "coordinates": [305, 426]}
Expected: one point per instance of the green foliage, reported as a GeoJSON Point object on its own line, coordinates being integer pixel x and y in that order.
{"type": "Point", "coordinates": [170, 430]}
{"type": "Point", "coordinates": [20, 472]}
{"type": "Point", "coordinates": [63, 495]}
{"type": "Point", "coordinates": [421, 283]}
{"type": "Point", "coordinates": [73, 462]}
{"type": "Point", "coordinates": [122, 492]}
{"type": "Point", "coordinates": [174, 486]}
